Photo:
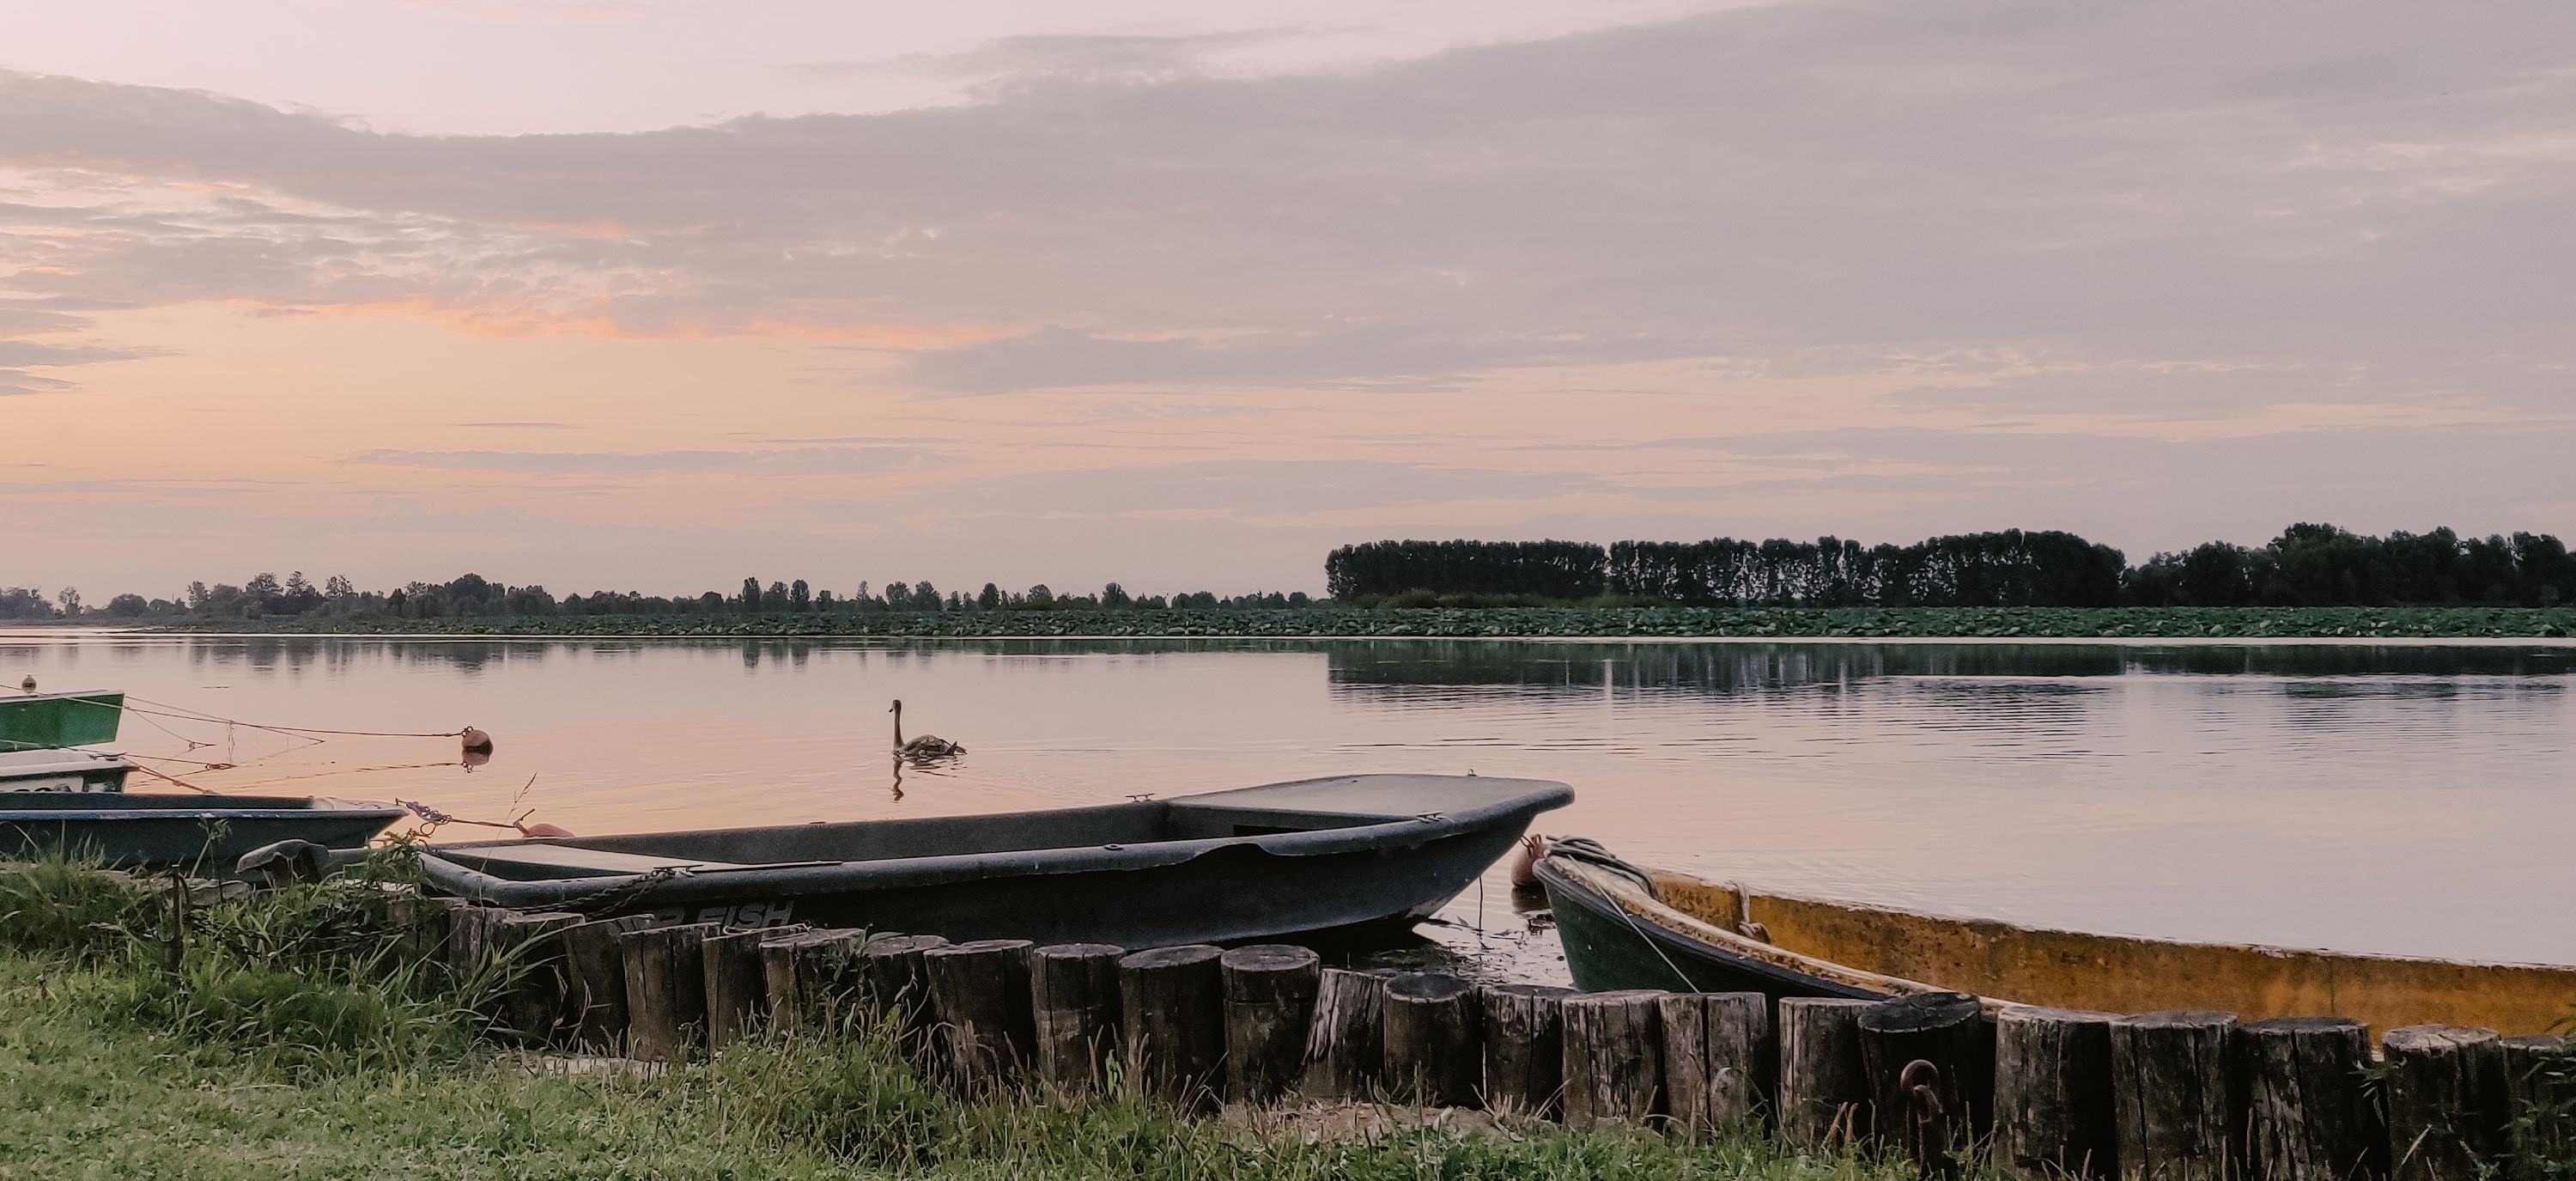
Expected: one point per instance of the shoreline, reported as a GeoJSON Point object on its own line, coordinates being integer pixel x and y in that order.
{"type": "Point", "coordinates": [861, 638]}
{"type": "Point", "coordinates": [2552, 627]}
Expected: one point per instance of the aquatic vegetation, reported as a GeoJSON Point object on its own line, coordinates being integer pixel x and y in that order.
{"type": "Point", "coordinates": [1526, 622]}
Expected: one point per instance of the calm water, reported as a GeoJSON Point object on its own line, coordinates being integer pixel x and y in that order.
{"type": "Point", "coordinates": [2400, 799]}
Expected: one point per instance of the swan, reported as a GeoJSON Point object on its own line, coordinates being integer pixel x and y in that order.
{"type": "Point", "coordinates": [924, 748]}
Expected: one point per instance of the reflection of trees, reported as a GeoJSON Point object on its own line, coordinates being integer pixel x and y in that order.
{"type": "Point", "coordinates": [1734, 668]}
{"type": "Point", "coordinates": [1713, 668]}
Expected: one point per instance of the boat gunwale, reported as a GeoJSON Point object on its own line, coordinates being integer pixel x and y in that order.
{"type": "Point", "coordinates": [809, 877]}
{"type": "Point", "coordinates": [322, 806]}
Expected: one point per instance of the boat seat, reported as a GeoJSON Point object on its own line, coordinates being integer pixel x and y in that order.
{"type": "Point", "coordinates": [597, 860]}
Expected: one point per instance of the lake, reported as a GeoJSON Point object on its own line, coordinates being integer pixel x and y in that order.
{"type": "Point", "coordinates": [2410, 799]}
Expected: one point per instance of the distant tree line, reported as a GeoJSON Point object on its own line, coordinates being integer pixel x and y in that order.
{"type": "Point", "coordinates": [2320, 565]}
{"type": "Point", "coordinates": [2306, 566]}
{"type": "Point", "coordinates": [1534, 569]}
{"type": "Point", "coordinates": [265, 596]}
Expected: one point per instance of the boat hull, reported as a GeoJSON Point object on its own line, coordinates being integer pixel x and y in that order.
{"type": "Point", "coordinates": [197, 834]}
{"type": "Point", "coordinates": [1229, 896]}
{"type": "Point", "coordinates": [75, 771]}
{"type": "Point", "coordinates": [1606, 949]}
{"type": "Point", "coordinates": [1264, 876]}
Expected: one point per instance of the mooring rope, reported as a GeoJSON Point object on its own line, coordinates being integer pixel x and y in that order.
{"type": "Point", "coordinates": [1592, 852]}
{"type": "Point", "coordinates": [175, 779]}
{"type": "Point", "coordinates": [199, 764]}
{"type": "Point", "coordinates": [622, 893]}
{"type": "Point", "coordinates": [183, 713]}
{"type": "Point", "coordinates": [343, 771]}
{"type": "Point", "coordinates": [437, 819]}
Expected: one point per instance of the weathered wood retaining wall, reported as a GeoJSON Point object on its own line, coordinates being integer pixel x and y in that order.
{"type": "Point", "coordinates": [2183, 1096]}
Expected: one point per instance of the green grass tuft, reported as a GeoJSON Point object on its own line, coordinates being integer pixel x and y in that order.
{"type": "Point", "coordinates": [61, 906]}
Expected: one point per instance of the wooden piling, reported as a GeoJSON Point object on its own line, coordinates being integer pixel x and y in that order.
{"type": "Point", "coordinates": [469, 939]}
{"type": "Point", "coordinates": [895, 979]}
{"type": "Point", "coordinates": [2445, 1096]}
{"type": "Point", "coordinates": [1433, 1039]}
{"type": "Point", "coordinates": [1717, 1060]}
{"type": "Point", "coordinates": [2173, 1092]}
{"type": "Point", "coordinates": [1346, 1041]}
{"type": "Point", "coordinates": [666, 990]}
{"type": "Point", "coordinates": [1825, 1097]}
{"type": "Point", "coordinates": [1171, 1022]}
{"type": "Point", "coordinates": [2307, 1116]}
{"type": "Point", "coordinates": [530, 945]}
{"type": "Point", "coordinates": [2540, 1078]}
{"type": "Point", "coordinates": [807, 974]}
{"type": "Point", "coordinates": [1269, 1001]}
{"type": "Point", "coordinates": [2053, 1103]}
{"type": "Point", "coordinates": [1073, 996]}
{"type": "Point", "coordinates": [1948, 1031]}
{"type": "Point", "coordinates": [595, 984]}
{"type": "Point", "coordinates": [737, 982]}
{"type": "Point", "coordinates": [421, 924]}
{"type": "Point", "coordinates": [1524, 1049]}
{"type": "Point", "coordinates": [1614, 1057]}
{"type": "Point", "coordinates": [980, 993]}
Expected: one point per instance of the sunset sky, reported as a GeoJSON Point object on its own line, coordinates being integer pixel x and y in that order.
{"type": "Point", "coordinates": [655, 296]}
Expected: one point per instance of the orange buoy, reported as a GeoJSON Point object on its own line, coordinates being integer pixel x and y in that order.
{"type": "Point", "coordinates": [1525, 863]}
{"type": "Point", "coordinates": [543, 830]}
{"type": "Point", "coordinates": [476, 741]}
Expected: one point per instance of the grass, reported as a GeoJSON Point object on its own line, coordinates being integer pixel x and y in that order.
{"type": "Point", "coordinates": [84, 1096]}
{"type": "Point", "coordinates": [296, 1041]}
{"type": "Point", "coordinates": [2352, 623]}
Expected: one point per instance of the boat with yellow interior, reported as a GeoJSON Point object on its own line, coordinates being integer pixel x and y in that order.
{"type": "Point", "coordinates": [1627, 926]}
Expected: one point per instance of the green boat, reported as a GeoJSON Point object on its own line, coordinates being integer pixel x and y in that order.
{"type": "Point", "coordinates": [38, 721]}
{"type": "Point", "coordinates": [199, 834]}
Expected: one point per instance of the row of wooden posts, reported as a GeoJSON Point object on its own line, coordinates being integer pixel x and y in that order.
{"type": "Point", "coordinates": [2177, 1096]}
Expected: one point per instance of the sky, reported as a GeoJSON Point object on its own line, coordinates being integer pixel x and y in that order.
{"type": "Point", "coordinates": [658, 295]}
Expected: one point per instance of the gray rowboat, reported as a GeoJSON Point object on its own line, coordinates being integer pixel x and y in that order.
{"type": "Point", "coordinates": [1317, 855]}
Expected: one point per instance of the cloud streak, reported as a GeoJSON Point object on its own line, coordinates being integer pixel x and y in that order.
{"type": "Point", "coordinates": [799, 461]}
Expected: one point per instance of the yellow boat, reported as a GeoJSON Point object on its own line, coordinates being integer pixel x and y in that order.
{"type": "Point", "coordinates": [1635, 927]}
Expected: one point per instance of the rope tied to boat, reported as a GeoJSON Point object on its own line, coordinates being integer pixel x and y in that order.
{"type": "Point", "coordinates": [623, 894]}
{"type": "Point", "coordinates": [436, 819]}
{"type": "Point", "coordinates": [1592, 852]}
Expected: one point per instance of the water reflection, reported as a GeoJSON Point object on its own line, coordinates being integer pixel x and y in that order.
{"type": "Point", "coordinates": [1739, 667]}
{"type": "Point", "coordinates": [2399, 798]}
